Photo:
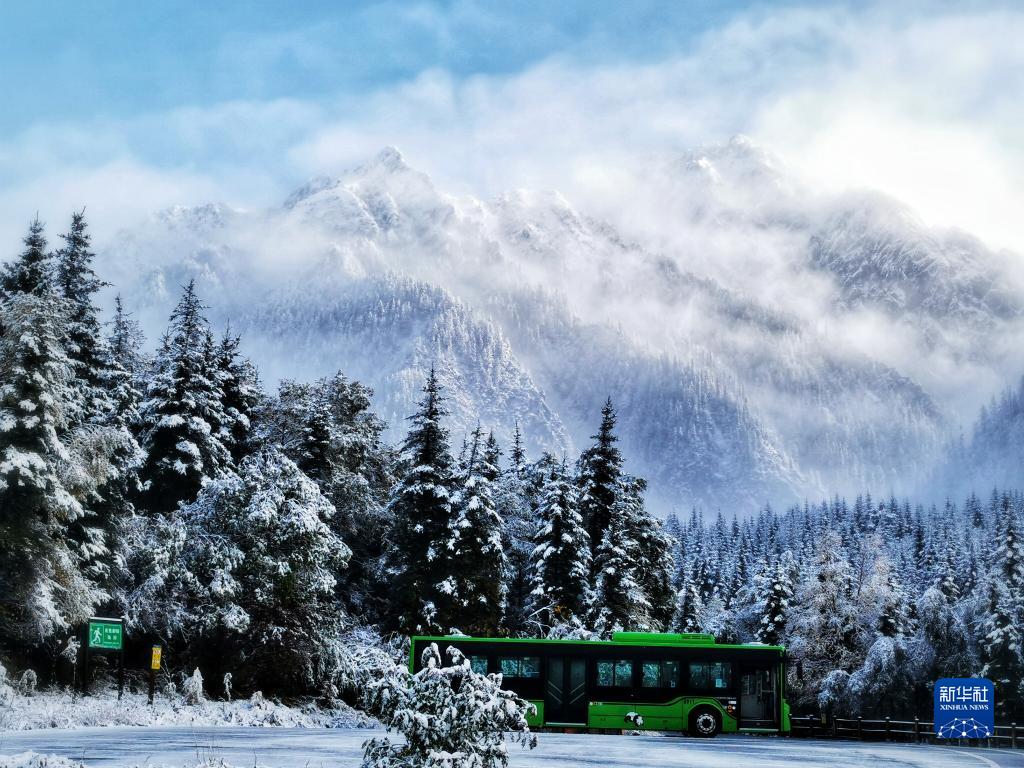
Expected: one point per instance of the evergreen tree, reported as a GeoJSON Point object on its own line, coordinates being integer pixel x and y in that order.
{"type": "Point", "coordinates": [328, 429]}
{"type": "Point", "coordinates": [492, 459]}
{"type": "Point", "coordinates": [125, 365]}
{"type": "Point", "coordinates": [517, 455]}
{"type": "Point", "coordinates": [86, 347]}
{"type": "Point", "coordinates": [421, 508]}
{"type": "Point", "coordinates": [475, 585]}
{"type": "Point", "coordinates": [114, 505]}
{"type": "Point", "coordinates": [621, 602]}
{"type": "Point", "coordinates": [240, 395]}
{"type": "Point", "coordinates": [942, 644]}
{"type": "Point", "coordinates": [655, 565]}
{"type": "Point", "coordinates": [894, 618]}
{"type": "Point", "coordinates": [884, 683]}
{"type": "Point", "coordinates": [560, 561]}
{"type": "Point", "coordinates": [825, 625]}
{"type": "Point", "coordinates": [688, 608]}
{"type": "Point", "coordinates": [777, 596]}
{"type": "Point", "coordinates": [449, 716]}
{"type": "Point", "coordinates": [43, 589]}
{"type": "Point", "coordinates": [182, 416]}
{"type": "Point", "coordinates": [514, 499]}
{"type": "Point", "coordinates": [101, 437]}
{"type": "Point", "coordinates": [253, 576]}
{"type": "Point", "coordinates": [598, 475]}
{"type": "Point", "coordinates": [32, 271]}
{"type": "Point", "coordinates": [1003, 628]}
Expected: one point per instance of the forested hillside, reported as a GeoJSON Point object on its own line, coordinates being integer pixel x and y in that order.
{"type": "Point", "coordinates": [274, 534]}
{"type": "Point", "coordinates": [764, 343]}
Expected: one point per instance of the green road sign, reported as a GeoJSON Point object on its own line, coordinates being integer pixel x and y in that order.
{"type": "Point", "coordinates": [106, 634]}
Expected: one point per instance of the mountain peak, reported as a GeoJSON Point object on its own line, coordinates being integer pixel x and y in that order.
{"type": "Point", "coordinates": [390, 159]}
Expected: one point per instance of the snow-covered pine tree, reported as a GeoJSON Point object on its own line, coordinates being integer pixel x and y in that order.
{"type": "Point", "coordinates": [894, 618]}
{"type": "Point", "coordinates": [517, 454]}
{"type": "Point", "coordinates": [122, 455]}
{"type": "Point", "coordinates": [492, 459]}
{"type": "Point", "coordinates": [240, 395]}
{"type": "Point", "coordinates": [599, 471]}
{"type": "Point", "coordinates": [262, 550]}
{"type": "Point", "coordinates": [1002, 642]}
{"type": "Point", "coordinates": [328, 429]}
{"type": "Point", "coordinates": [688, 608]}
{"type": "Point", "coordinates": [181, 416]}
{"type": "Point", "coordinates": [476, 552]}
{"type": "Point", "coordinates": [159, 593]}
{"type": "Point", "coordinates": [776, 599]}
{"type": "Point", "coordinates": [620, 600]}
{"type": "Point", "coordinates": [560, 562]}
{"type": "Point", "coordinates": [941, 645]}
{"type": "Point", "coordinates": [125, 366]}
{"type": "Point", "coordinates": [101, 438]}
{"type": "Point", "coordinates": [655, 565]}
{"type": "Point", "coordinates": [513, 496]}
{"type": "Point", "coordinates": [32, 270]}
{"type": "Point", "coordinates": [421, 508]}
{"type": "Point", "coordinates": [86, 347]}
{"type": "Point", "coordinates": [448, 716]}
{"type": "Point", "coordinates": [883, 685]}
{"type": "Point", "coordinates": [824, 626]}
{"type": "Point", "coordinates": [42, 587]}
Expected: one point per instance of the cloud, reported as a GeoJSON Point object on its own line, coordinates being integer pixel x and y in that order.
{"type": "Point", "coordinates": [114, 193]}
{"type": "Point", "coordinates": [914, 101]}
{"type": "Point", "coordinates": [920, 107]}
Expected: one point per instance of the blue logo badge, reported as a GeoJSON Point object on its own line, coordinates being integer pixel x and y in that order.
{"type": "Point", "coordinates": [965, 708]}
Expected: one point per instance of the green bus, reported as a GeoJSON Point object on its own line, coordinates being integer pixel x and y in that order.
{"type": "Point", "coordinates": [636, 680]}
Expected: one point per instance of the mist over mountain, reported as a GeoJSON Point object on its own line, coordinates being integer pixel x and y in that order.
{"type": "Point", "coordinates": [762, 341]}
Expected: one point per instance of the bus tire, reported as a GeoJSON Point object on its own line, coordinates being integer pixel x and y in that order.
{"type": "Point", "coordinates": [705, 722]}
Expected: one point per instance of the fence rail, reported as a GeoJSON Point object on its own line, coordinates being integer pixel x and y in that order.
{"type": "Point", "coordinates": [887, 729]}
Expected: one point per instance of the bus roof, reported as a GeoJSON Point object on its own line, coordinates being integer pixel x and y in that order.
{"type": "Point", "coordinates": [669, 639]}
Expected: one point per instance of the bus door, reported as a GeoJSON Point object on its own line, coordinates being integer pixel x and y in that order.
{"type": "Point", "coordinates": [565, 695]}
{"type": "Point", "coordinates": [758, 697]}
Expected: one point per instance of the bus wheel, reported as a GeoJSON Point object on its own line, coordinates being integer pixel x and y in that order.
{"type": "Point", "coordinates": [705, 722]}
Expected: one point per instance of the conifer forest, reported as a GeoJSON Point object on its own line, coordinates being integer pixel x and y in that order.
{"type": "Point", "coordinates": [275, 534]}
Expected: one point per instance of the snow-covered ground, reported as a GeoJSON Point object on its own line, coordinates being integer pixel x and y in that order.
{"type": "Point", "coordinates": [305, 748]}
{"type": "Point", "coordinates": [60, 709]}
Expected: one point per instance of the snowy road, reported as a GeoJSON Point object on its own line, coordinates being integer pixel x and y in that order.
{"type": "Point", "coordinates": [296, 748]}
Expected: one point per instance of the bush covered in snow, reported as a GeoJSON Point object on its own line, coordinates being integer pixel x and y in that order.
{"type": "Point", "coordinates": [192, 689]}
{"type": "Point", "coordinates": [35, 760]}
{"type": "Point", "coordinates": [6, 691]}
{"type": "Point", "coordinates": [448, 716]}
{"type": "Point", "coordinates": [60, 709]}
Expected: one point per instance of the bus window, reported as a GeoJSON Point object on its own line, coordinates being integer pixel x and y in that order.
{"type": "Point", "coordinates": [531, 666]}
{"type": "Point", "coordinates": [710, 676]}
{"type": "Point", "coordinates": [478, 664]}
{"type": "Point", "coordinates": [660, 674]}
{"type": "Point", "coordinates": [615, 674]}
{"type": "Point", "coordinates": [520, 666]}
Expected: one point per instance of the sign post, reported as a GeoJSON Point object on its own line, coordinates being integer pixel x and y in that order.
{"type": "Point", "coordinates": [965, 708]}
{"type": "Point", "coordinates": [104, 635]}
{"type": "Point", "coordinates": [154, 666]}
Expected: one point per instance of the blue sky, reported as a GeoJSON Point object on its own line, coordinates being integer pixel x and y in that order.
{"type": "Point", "coordinates": [128, 107]}
{"type": "Point", "coordinates": [81, 60]}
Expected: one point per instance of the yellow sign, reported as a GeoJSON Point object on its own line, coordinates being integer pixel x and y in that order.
{"type": "Point", "coordinates": [155, 661]}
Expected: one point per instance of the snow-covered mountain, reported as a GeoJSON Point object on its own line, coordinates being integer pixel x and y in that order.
{"type": "Point", "coordinates": [762, 343]}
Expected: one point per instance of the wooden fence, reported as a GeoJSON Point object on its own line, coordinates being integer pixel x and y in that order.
{"type": "Point", "coordinates": [915, 731]}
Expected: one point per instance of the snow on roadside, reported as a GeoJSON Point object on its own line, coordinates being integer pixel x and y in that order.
{"type": "Point", "coordinates": [35, 760]}
{"type": "Point", "coordinates": [65, 710]}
